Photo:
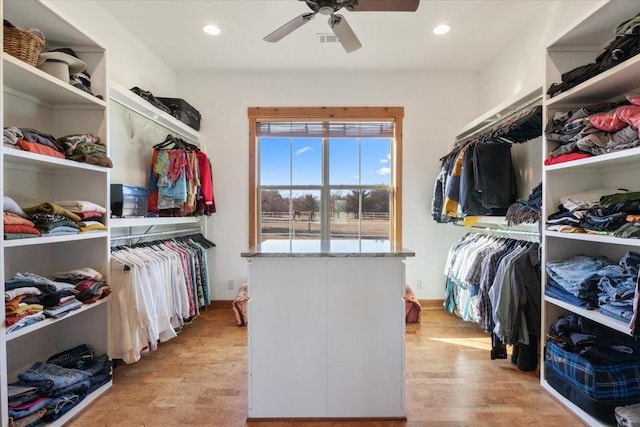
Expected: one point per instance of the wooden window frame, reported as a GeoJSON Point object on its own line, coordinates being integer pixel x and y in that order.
{"type": "Point", "coordinates": [395, 114]}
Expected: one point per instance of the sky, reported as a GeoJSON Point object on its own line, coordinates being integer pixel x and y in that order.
{"type": "Point", "coordinates": [303, 156]}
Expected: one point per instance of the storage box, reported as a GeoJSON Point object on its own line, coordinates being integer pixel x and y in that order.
{"type": "Point", "coordinates": [128, 201]}
{"type": "Point", "coordinates": [181, 110]}
{"type": "Point", "coordinates": [607, 381]}
{"type": "Point", "coordinates": [602, 409]}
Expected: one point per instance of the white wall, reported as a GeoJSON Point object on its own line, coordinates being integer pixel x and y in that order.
{"type": "Point", "coordinates": [519, 69]}
{"type": "Point", "coordinates": [436, 106]}
{"type": "Point", "coordinates": [130, 62]}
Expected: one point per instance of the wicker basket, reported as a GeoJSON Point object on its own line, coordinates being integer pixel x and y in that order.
{"type": "Point", "coordinates": [25, 45]}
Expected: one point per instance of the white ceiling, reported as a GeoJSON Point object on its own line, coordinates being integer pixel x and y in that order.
{"type": "Point", "coordinates": [172, 29]}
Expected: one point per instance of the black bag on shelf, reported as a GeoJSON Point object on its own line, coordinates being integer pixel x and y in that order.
{"type": "Point", "coordinates": [148, 96]}
{"type": "Point", "coordinates": [181, 110]}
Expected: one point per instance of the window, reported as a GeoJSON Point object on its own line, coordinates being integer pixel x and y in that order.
{"type": "Point", "coordinates": [325, 173]}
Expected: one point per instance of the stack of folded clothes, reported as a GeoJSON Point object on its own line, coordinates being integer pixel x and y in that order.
{"type": "Point", "coordinates": [52, 219]}
{"type": "Point", "coordinates": [16, 225]}
{"type": "Point", "coordinates": [87, 148]}
{"type": "Point", "coordinates": [596, 282]}
{"type": "Point", "coordinates": [30, 297]}
{"type": "Point", "coordinates": [32, 140]}
{"type": "Point", "coordinates": [526, 211]}
{"type": "Point", "coordinates": [607, 211]}
{"type": "Point", "coordinates": [83, 147]}
{"type": "Point", "coordinates": [593, 130]}
{"type": "Point", "coordinates": [91, 214]}
{"type": "Point", "coordinates": [47, 390]}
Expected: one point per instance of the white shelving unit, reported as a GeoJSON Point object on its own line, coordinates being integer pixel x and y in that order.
{"type": "Point", "coordinates": [34, 99]}
{"type": "Point", "coordinates": [580, 45]}
{"type": "Point", "coordinates": [137, 104]}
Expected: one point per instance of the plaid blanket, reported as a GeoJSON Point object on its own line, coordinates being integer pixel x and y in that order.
{"type": "Point", "coordinates": [610, 381]}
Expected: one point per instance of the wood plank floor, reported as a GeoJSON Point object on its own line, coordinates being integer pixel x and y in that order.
{"type": "Point", "coordinates": [200, 379]}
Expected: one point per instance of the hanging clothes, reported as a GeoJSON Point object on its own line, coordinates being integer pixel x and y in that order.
{"type": "Point", "coordinates": [157, 287]}
{"type": "Point", "coordinates": [470, 184]}
{"type": "Point", "coordinates": [477, 177]}
{"type": "Point", "coordinates": [496, 282]}
{"type": "Point", "coordinates": [180, 181]}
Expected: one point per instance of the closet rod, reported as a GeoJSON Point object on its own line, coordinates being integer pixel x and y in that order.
{"type": "Point", "coordinates": [503, 117]}
{"type": "Point", "coordinates": [530, 236]}
{"type": "Point", "coordinates": [168, 233]}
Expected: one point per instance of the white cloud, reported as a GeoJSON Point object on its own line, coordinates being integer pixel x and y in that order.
{"type": "Point", "coordinates": [302, 150]}
{"type": "Point", "coordinates": [383, 171]}
{"type": "Point", "coordinates": [384, 160]}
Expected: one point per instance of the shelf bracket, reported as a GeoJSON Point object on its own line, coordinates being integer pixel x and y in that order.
{"type": "Point", "coordinates": [136, 135]}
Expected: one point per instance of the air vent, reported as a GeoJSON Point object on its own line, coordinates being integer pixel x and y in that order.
{"type": "Point", "coordinates": [327, 38]}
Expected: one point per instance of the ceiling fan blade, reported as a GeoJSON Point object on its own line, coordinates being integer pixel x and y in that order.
{"type": "Point", "coordinates": [386, 5]}
{"type": "Point", "coordinates": [344, 33]}
{"type": "Point", "coordinates": [289, 27]}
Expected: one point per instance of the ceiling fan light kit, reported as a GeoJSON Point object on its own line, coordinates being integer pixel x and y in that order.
{"type": "Point", "coordinates": [338, 22]}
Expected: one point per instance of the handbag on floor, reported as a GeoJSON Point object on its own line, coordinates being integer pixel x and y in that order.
{"type": "Point", "coordinates": [239, 305]}
{"type": "Point", "coordinates": [413, 309]}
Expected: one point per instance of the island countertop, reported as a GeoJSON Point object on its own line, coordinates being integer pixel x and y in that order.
{"type": "Point", "coordinates": [327, 248]}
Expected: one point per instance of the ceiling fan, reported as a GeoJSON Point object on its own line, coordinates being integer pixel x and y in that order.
{"type": "Point", "coordinates": [337, 22]}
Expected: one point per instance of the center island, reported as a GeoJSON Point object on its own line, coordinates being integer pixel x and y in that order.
{"type": "Point", "coordinates": [326, 329]}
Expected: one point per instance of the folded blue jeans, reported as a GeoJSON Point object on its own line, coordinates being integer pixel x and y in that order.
{"type": "Point", "coordinates": [574, 273]}
{"type": "Point", "coordinates": [49, 378]}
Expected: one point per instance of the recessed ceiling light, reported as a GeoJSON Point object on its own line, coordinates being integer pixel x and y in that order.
{"type": "Point", "coordinates": [211, 29]}
{"type": "Point", "coordinates": [441, 29]}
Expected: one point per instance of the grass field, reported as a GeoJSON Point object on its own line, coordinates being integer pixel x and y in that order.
{"type": "Point", "coordinates": [341, 228]}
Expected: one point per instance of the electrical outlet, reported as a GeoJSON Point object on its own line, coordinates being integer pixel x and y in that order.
{"type": "Point", "coordinates": [230, 284]}
{"type": "Point", "coordinates": [419, 284]}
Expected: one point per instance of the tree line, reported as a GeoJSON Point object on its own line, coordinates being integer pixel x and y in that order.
{"type": "Point", "coordinates": [372, 201]}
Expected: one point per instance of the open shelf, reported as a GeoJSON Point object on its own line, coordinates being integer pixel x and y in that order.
{"type": "Point", "coordinates": [588, 419]}
{"type": "Point", "coordinates": [82, 405]}
{"type": "Point", "coordinates": [34, 83]}
{"type": "Point", "coordinates": [45, 240]}
{"type": "Point", "coordinates": [594, 315]}
{"type": "Point", "coordinates": [600, 87]}
{"type": "Point", "coordinates": [50, 321]}
{"type": "Point", "coordinates": [133, 102]}
{"type": "Point", "coordinates": [615, 159]}
{"type": "Point", "coordinates": [597, 238]}
{"type": "Point", "coordinates": [14, 157]}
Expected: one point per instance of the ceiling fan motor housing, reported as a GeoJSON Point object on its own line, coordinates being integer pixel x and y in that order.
{"type": "Point", "coordinates": [327, 7]}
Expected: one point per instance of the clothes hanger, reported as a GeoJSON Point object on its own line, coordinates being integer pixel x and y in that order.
{"type": "Point", "coordinates": [166, 143]}
{"type": "Point", "coordinates": [199, 237]}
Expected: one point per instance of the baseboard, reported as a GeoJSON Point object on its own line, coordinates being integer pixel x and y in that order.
{"type": "Point", "coordinates": [427, 304]}
{"type": "Point", "coordinates": [432, 304]}
{"type": "Point", "coordinates": [325, 419]}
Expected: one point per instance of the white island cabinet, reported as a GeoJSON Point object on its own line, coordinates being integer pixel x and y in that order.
{"type": "Point", "coordinates": [326, 329]}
